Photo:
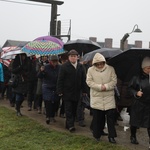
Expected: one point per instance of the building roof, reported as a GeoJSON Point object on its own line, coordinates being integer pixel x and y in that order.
{"type": "Point", "coordinates": [14, 43]}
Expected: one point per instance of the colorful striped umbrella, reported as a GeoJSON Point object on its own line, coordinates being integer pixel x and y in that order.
{"type": "Point", "coordinates": [44, 46]}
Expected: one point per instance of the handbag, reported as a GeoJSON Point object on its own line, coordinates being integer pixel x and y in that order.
{"type": "Point", "coordinates": [85, 101]}
{"type": "Point", "coordinates": [13, 81]}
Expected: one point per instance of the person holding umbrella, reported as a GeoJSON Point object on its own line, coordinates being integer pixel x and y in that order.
{"type": "Point", "coordinates": [101, 79]}
{"type": "Point", "coordinates": [139, 89]}
{"type": "Point", "coordinates": [20, 68]}
{"type": "Point", "coordinates": [49, 76]}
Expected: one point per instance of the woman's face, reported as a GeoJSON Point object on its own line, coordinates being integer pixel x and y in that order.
{"type": "Point", "coordinates": [99, 65]}
{"type": "Point", "coordinates": [146, 70]}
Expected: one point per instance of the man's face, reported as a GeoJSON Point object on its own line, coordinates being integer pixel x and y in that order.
{"type": "Point", "coordinates": [73, 58]}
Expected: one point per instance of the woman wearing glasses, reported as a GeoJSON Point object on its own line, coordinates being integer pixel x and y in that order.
{"type": "Point", "coordinates": [101, 79]}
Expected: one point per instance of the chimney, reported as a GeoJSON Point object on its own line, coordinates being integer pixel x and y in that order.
{"type": "Point", "coordinates": [138, 44]}
{"type": "Point", "coordinates": [126, 45]}
{"type": "Point", "coordinates": [108, 43]}
{"type": "Point", "coordinates": [94, 39]}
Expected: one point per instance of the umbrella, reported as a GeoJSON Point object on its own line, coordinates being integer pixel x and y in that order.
{"type": "Point", "coordinates": [106, 52]}
{"type": "Point", "coordinates": [81, 46]}
{"type": "Point", "coordinates": [11, 52]}
{"type": "Point", "coordinates": [128, 63]}
{"type": "Point", "coordinates": [43, 46]}
{"type": "Point", "coordinates": [51, 38]}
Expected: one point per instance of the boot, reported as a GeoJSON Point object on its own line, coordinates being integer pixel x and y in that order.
{"type": "Point", "coordinates": [133, 135]}
{"type": "Point", "coordinates": [39, 110]}
{"type": "Point", "coordinates": [18, 105]}
{"type": "Point", "coordinates": [134, 140]}
{"type": "Point", "coordinates": [19, 113]}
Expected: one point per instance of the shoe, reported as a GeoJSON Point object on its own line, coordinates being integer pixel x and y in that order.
{"type": "Point", "coordinates": [19, 114]}
{"type": "Point", "coordinates": [72, 129]}
{"type": "Point", "coordinates": [39, 111]}
{"type": "Point", "coordinates": [81, 124]}
{"type": "Point", "coordinates": [119, 118]}
{"type": "Point", "coordinates": [104, 133]}
{"type": "Point", "coordinates": [134, 140]}
{"type": "Point", "coordinates": [62, 116]}
{"type": "Point", "coordinates": [111, 140]}
{"type": "Point", "coordinates": [97, 139]}
{"type": "Point", "coordinates": [29, 109]}
{"type": "Point", "coordinates": [52, 119]}
{"type": "Point", "coordinates": [47, 120]}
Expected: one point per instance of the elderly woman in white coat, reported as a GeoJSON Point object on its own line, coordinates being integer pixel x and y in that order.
{"type": "Point", "coordinates": [101, 79]}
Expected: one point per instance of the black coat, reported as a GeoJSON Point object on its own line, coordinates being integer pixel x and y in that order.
{"type": "Point", "coordinates": [140, 109]}
{"type": "Point", "coordinates": [71, 81]}
{"type": "Point", "coordinates": [21, 69]}
{"type": "Point", "coordinates": [49, 81]}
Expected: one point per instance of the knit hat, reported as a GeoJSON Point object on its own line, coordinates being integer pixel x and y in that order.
{"type": "Point", "coordinates": [146, 62]}
{"type": "Point", "coordinates": [73, 52]}
{"type": "Point", "coordinates": [53, 57]}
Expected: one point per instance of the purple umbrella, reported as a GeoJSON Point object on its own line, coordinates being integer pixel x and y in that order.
{"type": "Point", "coordinates": [50, 38]}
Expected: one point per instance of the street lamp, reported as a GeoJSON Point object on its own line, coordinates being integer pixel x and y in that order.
{"type": "Point", "coordinates": [135, 29]}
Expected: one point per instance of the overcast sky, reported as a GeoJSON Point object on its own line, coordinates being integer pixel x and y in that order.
{"type": "Point", "coordinates": [96, 18]}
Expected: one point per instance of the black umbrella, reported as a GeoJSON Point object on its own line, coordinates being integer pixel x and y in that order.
{"type": "Point", "coordinates": [128, 63]}
{"type": "Point", "coordinates": [106, 52]}
{"type": "Point", "coordinates": [81, 46]}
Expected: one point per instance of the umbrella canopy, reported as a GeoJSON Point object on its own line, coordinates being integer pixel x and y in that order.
{"type": "Point", "coordinates": [50, 38]}
{"type": "Point", "coordinates": [11, 52]}
{"type": "Point", "coordinates": [128, 63]}
{"type": "Point", "coordinates": [81, 46]}
{"type": "Point", "coordinates": [106, 52]}
{"type": "Point", "coordinates": [43, 46]}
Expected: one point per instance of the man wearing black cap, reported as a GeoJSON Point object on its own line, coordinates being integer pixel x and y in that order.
{"type": "Point", "coordinates": [71, 82]}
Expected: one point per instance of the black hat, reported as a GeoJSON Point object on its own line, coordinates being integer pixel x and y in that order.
{"type": "Point", "coordinates": [73, 52]}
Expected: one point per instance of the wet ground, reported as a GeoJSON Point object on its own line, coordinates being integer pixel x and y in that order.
{"type": "Point", "coordinates": [123, 137]}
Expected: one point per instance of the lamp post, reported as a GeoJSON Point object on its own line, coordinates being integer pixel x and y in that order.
{"type": "Point", "coordinates": [135, 29]}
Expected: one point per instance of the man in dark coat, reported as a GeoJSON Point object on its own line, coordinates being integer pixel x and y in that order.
{"type": "Point", "coordinates": [71, 84]}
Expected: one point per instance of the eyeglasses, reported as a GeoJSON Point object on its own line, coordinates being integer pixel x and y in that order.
{"type": "Point", "coordinates": [99, 64]}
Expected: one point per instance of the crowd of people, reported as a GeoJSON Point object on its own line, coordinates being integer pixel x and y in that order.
{"type": "Point", "coordinates": [52, 83]}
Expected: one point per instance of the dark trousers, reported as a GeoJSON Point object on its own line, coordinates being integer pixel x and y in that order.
{"type": "Point", "coordinates": [102, 122]}
{"type": "Point", "coordinates": [39, 100]}
{"type": "Point", "coordinates": [98, 122]}
{"type": "Point", "coordinates": [32, 85]}
{"type": "Point", "coordinates": [80, 111]}
{"type": "Point", "coordinates": [70, 110]}
{"type": "Point", "coordinates": [133, 130]}
{"type": "Point", "coordinates": [51, 108]}
{"type": "Point", "coordinates": [19, 101]}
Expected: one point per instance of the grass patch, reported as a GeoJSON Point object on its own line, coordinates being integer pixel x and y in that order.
{"type": "Point", "coordinates": [22, 133]}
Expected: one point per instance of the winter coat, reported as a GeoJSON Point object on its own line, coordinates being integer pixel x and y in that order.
{"type": "Point", "coordinates": [20, 68]}
{"type": "Point", "coordinates": [39, 81]}
{"type": "Point", "coordinates": [140, 109]}
{"type": "Point", "coordinates": [49, 77]}
{"type": "Point", "coordinates": [101, 100]}
{"type": "Point", "coordinates": [125, 99]}
{"type": "Point", "coordinates": [71, 81]}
